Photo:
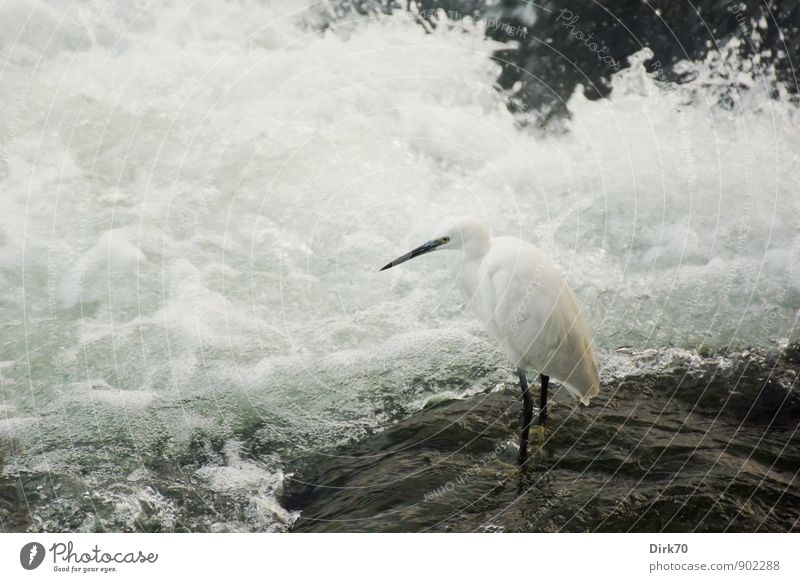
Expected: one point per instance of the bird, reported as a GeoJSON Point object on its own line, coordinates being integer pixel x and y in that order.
{"type": "Point", "coordinates": [526, 307]}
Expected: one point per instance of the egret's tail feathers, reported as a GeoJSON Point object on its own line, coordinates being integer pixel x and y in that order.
{"type": "Point", "coordinates": [584, 382]}
{"type": "Point", "coordinates": [585, 394]}
{"type": "Point", "coordinates": [593, 391]}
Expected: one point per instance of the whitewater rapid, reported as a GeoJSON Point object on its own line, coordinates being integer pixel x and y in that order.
{"type": "Point", "coordinates": [195, 204]}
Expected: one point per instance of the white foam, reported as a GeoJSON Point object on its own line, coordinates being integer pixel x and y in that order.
{"type": "Point", "coordinates": [197, 205]}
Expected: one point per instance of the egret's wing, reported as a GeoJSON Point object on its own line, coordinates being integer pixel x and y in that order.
{"type": "Point", "coordinates": [574, 362]}
{"type": "Point", "coordinates": [516, 303]}
{"type": "Point", "coordinates": [536, 317]}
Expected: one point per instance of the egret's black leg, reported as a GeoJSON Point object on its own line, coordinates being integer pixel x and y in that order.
{"type": "Point", "coordinates": [527, 416]}
{"type": "Point", "coordinates": [543, 399]}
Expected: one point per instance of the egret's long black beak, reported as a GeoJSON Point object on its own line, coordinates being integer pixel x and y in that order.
{"type": "Point", "coordinates": [429, 246]}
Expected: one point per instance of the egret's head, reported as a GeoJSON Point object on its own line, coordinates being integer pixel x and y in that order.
{"type": "Point", "coordinates": [463, 232]}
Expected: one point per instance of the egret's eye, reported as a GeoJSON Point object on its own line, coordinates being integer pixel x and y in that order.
{"type": "Point", "coordinates": [445, 239]}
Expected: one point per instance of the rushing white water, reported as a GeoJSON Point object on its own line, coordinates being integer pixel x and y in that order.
{"type": "Point", "coordinates": [195, 203]}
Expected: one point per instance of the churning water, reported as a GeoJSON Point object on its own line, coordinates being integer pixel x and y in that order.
{"type": "Point", "coordinates": [195, 202]}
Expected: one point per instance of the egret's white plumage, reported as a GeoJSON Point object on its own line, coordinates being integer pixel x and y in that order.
{"type": "Point", "coordinates": [523, 301]}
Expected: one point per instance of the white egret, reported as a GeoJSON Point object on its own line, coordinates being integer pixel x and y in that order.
{"type": "Point", "coordinates": [526, 306]}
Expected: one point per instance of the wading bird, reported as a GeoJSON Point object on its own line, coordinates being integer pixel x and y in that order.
{"type": "Point", "coordinates": [526, 306]}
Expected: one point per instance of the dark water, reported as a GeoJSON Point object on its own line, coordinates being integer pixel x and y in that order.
{"type": "Point", "coordinates": [700, 449]}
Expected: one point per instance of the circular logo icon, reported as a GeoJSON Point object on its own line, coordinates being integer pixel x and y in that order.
{"type": "Point", "coordinates": [31, 555]}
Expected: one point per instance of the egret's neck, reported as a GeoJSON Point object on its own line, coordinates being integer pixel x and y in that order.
{"type": "Point", "coordinates": [476, 248]}
{"type": "Point", "coordinates": [465, 263]}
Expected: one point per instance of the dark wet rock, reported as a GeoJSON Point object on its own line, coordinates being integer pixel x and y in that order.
{"type": "Point", "coordinates": [698, 449]}
{"type": "Point", "coordinates": [584, 42]}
